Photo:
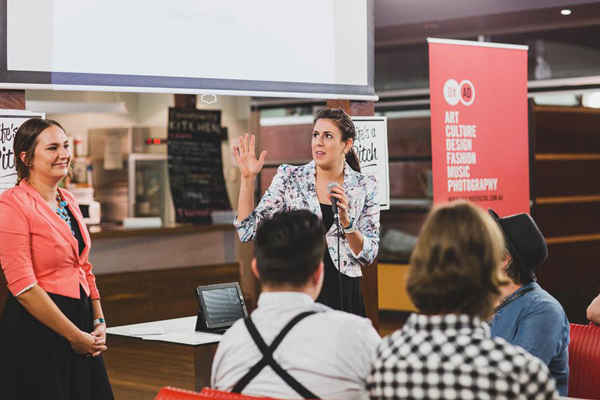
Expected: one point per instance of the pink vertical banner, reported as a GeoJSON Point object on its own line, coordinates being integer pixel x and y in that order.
{"type": "Point", "coordinates": [479, 132]}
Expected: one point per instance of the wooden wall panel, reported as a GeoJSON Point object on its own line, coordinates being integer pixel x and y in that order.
{"type": "Point", "coordinates": [568, 265]}
{"type": "Point", "coordinates": [370, 290]}
{"type": "Point", "coordinates": [408, 221]}
{"type": "Point", "coordinates": [568, 218]}
{"type": "Point", "coordinates": [567, 189]}
{"type": "Point", "coordinates": [12, 99]}
{"type": "Point", "coordinates": [404, 179]}
{"type": "Point", "coordinates": [353, 107]}
{"type": "Point", "coordinates": [284, 143]}
{"type": "Point", "coordinates": [572, 275]}
{"type": "Point", "coordinates": [134, 297]}
{"type": "Point", "coordinates": [567, 178]}
{"type": "Point", "coordinates": [566, 131]}
{"type": "Point", "coordinates": [127, 298]}
{"type": "Point", "coordinates": [409, 137]}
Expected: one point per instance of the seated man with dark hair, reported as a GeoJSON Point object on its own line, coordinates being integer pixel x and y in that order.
{"type": "Point", "coordinates": [292, 347]}
{"type": "Point", "coordinates": [445, 351]}
{"type": "Point", "coordinates": [527, 315]}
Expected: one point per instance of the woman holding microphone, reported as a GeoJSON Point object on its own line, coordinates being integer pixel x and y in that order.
{"type": "Point", "coordinates": [52, 330]}
{"type": "Point", "coordinates": [334, 173]}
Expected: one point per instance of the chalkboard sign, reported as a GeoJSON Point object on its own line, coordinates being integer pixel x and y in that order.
{"type": "Point", "coordinates": [195, 166]}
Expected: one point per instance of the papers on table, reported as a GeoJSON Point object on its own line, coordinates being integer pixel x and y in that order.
{"type": "Point", "coordinates": [144, 331]}
{"type": "Point", "coordinates": [178, 331]}
{"type": "Point", "coordinates": [193, 339]}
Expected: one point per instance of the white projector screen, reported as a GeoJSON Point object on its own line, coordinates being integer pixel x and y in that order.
{"type": "Point", "coordinates": [290, 48]}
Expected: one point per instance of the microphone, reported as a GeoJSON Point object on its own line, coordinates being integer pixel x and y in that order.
{"type": "Point", "coordinates": [333, 199]}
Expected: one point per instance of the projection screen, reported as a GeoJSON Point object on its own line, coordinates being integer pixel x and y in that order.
{"type": "Point", "coordinates": [283, 48]}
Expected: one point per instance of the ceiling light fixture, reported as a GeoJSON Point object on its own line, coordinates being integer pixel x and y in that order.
{"type": "Point", "coordinates": [593, 100]}
{"type": "Point", "coordinates": [74, 107]}
{"type": "Point", "coordinates": [566, 11]}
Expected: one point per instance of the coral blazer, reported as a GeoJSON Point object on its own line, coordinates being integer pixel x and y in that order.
{"type": "Point", "coordinates": [37, 246]}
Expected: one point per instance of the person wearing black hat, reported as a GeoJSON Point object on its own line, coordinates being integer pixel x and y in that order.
{"type": "Point", "coordinates": [527, 315]}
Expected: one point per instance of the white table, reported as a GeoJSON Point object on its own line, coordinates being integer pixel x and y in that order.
{"type": "Point", "coordinates": [179, 331]}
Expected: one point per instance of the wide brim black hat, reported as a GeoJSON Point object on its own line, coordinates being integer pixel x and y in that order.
{"type": "Point", "coordinates": [524, 241]}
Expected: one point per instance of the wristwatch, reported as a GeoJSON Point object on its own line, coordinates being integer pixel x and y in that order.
{"type": "Point", "coordinates": [350, 228]}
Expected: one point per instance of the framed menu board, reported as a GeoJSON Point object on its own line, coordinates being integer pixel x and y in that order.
{"type": "Point", "coordinates": [195, 165]}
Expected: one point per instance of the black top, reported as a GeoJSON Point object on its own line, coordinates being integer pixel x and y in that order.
{"type": "Point", "coordinates": [351, 299]}
{"type": "Point", "coordinates": [328, 220]}
{"type": "Point", "coordinates": [76, 229]}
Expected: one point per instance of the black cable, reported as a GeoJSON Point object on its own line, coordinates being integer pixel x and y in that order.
{"type": "Point", "coordinates": [339, 235]}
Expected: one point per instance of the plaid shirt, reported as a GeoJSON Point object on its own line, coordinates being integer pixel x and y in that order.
{"type": "Point", "coordinates": [454, 357]}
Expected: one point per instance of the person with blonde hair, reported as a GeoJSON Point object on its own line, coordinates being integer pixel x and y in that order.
{"type": "Point", "coordinates": [445, 350]}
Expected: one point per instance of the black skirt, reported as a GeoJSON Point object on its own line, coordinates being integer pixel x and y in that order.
{"type": "Point", "coordinates": [339, 291]}
{"type": "Point", "coordinates": [36, 363]}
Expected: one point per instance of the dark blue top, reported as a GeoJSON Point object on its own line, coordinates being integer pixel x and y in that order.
{"type": "Point", "coordinates": [537, 322]}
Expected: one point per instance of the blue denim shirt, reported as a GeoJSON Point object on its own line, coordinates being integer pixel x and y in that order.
{"type": "Point", "coordinates": [537, 322]}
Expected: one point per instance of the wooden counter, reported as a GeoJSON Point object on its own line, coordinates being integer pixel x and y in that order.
{"type": "Point", "coordinates": [129, 250]}
{"type": "Point", "coordinates": [151, 273]}
{"type": "Point", "coordinates": [100, 232]}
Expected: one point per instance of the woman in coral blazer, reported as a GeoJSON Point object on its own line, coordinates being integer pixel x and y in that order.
{"type": "Point", "coordinates": [52, 331]}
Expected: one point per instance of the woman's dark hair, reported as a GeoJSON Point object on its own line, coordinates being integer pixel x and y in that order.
{"type": "Point", "coordinates": [344, 123]}
{"type": "Point", "coordinates": [26, 141]}
{"type": "Point", "coordinates": [289, 248]}
{"type": "Point", "coordinates": [455, 265]}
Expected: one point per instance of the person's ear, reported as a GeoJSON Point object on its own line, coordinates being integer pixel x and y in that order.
{"type": "Point", "coordinates": [319, 273]}
{"type": "Point", "coordinates": [348, 146]}
{"type": "Point", "coordinates": [507, 260]}
{"type": "Point", "coordinates": [254, 267]}
{"type": "Point", "coordinates": [23, 157]}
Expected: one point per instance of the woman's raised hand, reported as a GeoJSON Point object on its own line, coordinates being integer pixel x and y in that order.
{"type": "Point", "coordinates": [246, 157]}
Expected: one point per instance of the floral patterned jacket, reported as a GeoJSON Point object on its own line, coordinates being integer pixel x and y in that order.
{"type": "Point", "coordinates": [293, 188]}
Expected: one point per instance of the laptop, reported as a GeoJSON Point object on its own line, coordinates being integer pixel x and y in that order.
{"type": "Point", "coordinates": [219, 306]}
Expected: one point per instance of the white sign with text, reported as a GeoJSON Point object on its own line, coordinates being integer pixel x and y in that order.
{"type": "Point", "coordinates": [10, 121]}
{"type": "Point", "coordinates": [371, 146]}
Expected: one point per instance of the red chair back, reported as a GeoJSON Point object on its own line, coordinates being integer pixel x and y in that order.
{"type": "Point", "coordinates": [584, 361]}
{"type": "Point", "coordinates": [171, 393]}
{"type": "Point", "coordinates": [217, 394]}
